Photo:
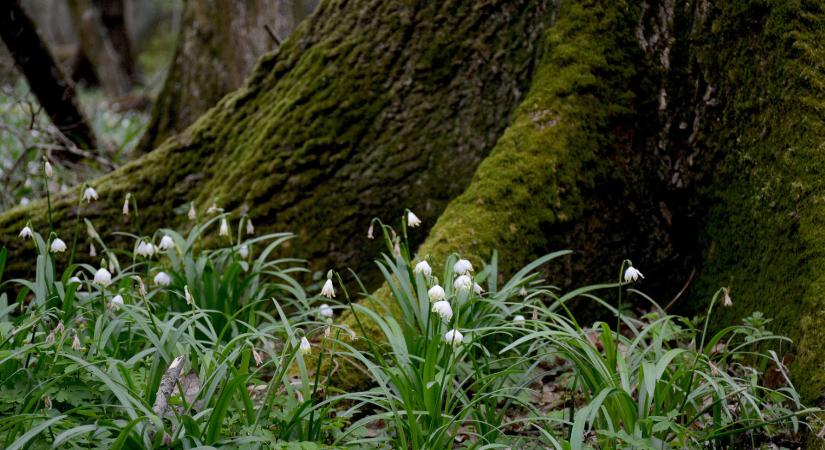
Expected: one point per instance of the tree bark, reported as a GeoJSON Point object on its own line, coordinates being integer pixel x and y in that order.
{"type": "Point", "coordinates": [97, 47]}
{"type": "Point", "coordinates": [218, 45]}
{"type": "Point", "coordinates": [112, 17]}
{"type": "Point", "coordinates": [46, 80]}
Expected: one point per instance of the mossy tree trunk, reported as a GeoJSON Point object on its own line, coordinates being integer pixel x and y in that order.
{"type": "Point", "coordinates": [218, 44]}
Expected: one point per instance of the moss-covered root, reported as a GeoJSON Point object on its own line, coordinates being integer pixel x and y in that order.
{"type": "Point", "coordinates": [369, 107]}
{"type": "Point", "coordinates": [543, 173]}
{"type": "Point", "coordinates": [765, 235]}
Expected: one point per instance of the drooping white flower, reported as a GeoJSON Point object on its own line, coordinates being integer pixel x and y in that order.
{"type": "Point", "coordinates": [463, 282]}
{"type": "Point", "coordinates": [325, 310]}
{"type": "Point", "coordinates": [141, 286]}
{"type": "Point", "coordinates": [443, 309]}
{"type": "Point", "coordinates": [145, 249]}
{"type": "Point", "coordinates": [89, 194]}
{"type": "Point", "coordinates": [212, 209]}
{"type": "Point", "coordinates": [250, 229]}
{"type": "Point", "coordinates": [436, 293]}
{"type": "Point", "coordinates": [186, 295]}
{"type": "Point", "coordinates": [192, 214]}
{"type": "Point", "coordinates": [305, 347]}
{"type": "Point", "coordinates": [73, 280]}
{"type": "Point", "coordinates": [327, 332]}
{"type": "Point", "coordinates": [412, 220]}
{"type": "Point", "coordinates": [162, 279]}
{"type": "Point", "coordinates": [76, 343]}
{"type": "Point", "coordinates": [462, 267]}
{"type": "Point", "coordinates": [58, 246]}
{"type": "Point", "coordinates": [26, 232]}
{"type": "Point", "coordinates": [631, 274]}
{"type": "Point", "coordinates": [90, 230]}
{"type": "Point", "coordinates": [92, 250]}
{"type": "Point", "coordinates": [328, 290]}
{"type": "Point", "coordinates": [523, 291]}
{"type": "Point", "coordinates": [370, 231]}
{"type": "Point", "coordinates": [454, 337]}
{"type": "Point", "coordinates": [243, 251]}
{"type": "Point", "coordinates": [478, 289]}
{"type": "Point", "coordinates": [258, 358]}
{"type": "Point", "coordinates": [117, 301]}
{"type": "Point", "coordinates": [48, 169]}
{"type": "Point", "coordinates": [518, 319]}
{"type": "Point", "coordinates": [59, 328]}
{"type": "Point", "coordinates": [423, 268]}
{"type": "Point", "coordinates": [126, 205]}
{"type": "Point", "coordinates": [726, 300]}
{"type": "Point", "coordinates": [24, 201]}
{"type": "Point", "coordinates": [50, 338]}
{"type": "Point", "coordinates": [224, 231]}
{"type": "Point", "coordinates": [103, 277]}
{"type": "Point", "coordinates": [166, 242]}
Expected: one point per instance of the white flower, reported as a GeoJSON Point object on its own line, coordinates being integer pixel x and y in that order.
{"type": "Point", "coordinates": [145, 249]}
{"type": "Point", "coordinates": [24, 201]}
{"type": "Point", "coordinates": [522, 292]}
{"type": "Point", "coordinates": [26, 232]}
{"type": "Point", "coordinates": [443, 309]}
{"type": "Point", "coordinates": [463, 267]}
{"type": "Point", "coordinates": [369, 232]}
{"type": "Point", "coordinates": [224, 231]}
{"type": "Point", "coordinates": [463, 282]}
{"type": "Point", "coordinates": [258, 359]}
{"type": "Point", "coordinates": [412, 220]}
{"type": "Point", "coordinates": [48, 168]}
{"type": "Point", "coordinates": [518, 319]}
{"type": "Point", "coordinates": [424, 268]}
{"type": "Point", "coordinates": [89, 194]}
{"type": "Point", "coordinates": [103, 277]}
{"type": "Point", "coordinates": [478, 289]}
{"type": "Point", "coordinates": [162, 279]}
{"type": "Point", "coordinates": [305, 347]}
{"type": "Point", "coordinates": [126, 205]}
{"type": "Point", "coordinates": [186, 295]}
{"type": "Point", "coordinates": [250, 229]}
{"type": "Point", "coordinates": [166, 242]}
{"type": "Point", "coordinates": [58, 246]}
{"type": "Point", "coordinates": [73, 280]}
{"type": "Point", "coordinates": [192, 215]}
{"type": "Point", "coordinates": [117, 301]}
{"type": "Point", "coordinates": [454, 337]}
{"type": "Point", "coordinates": [325, 310]}
{"type": "Point", "coordinates": [328, 290]}
{"type": "Point", "coordinates": [436, 293]}
{"type": "Point", "coordinates": [726, 301]}
{"type": "Point", "coordinates": [76, 343]}
{"type": "Point", "coordinates": [212, 209]}
{"type": "Point", "coordinates": [59, 328]}
{"type": "Point", "coordinates": [92, 250]}
{"type": "Point", "coordinates": [243, 251]}
{"type": "Point", "coordinates": [631, 274]}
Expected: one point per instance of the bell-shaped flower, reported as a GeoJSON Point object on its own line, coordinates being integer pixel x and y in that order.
{"type": "Point", "coordinates": [463, 282]}
{"type": "Point", "coordinates": [48, 169]}
{"type": "Point", "coordinates": [631, 274]}
{"type": "Point", "coordinates": [76, 346]}
{"type": "Point", "coordinates": [462, 267]}
{"type": "Point", "coordinates": [166, 242]}
{"type": "Point", "coordinates": [518, 319]}
{"type": "Point", "coordinates": [443, 309]}
{"type": "Point", "coordinates": [454, 337]}
{"type": "Point", "coordinates": [436, 293]}
{"type": "Point", "coordinates": [145, 249]}
{"type": "Point", "coordinates": [412, 220]}
{"type": "Point", "coordinates": [258, 358]}
{"type": "Point", "coordinates": [224, 231]}
{"type": "Point", "coordinates": [103, 277]}
{"type": "Point", "coordinates": [478, 289]}
{"type": "Point", "coordinates": [162, 279]}
{"type": "Point", "coordinates": [117, 301]}
{"type": "Point", "coordinates": [89, 194]}
{"type": "Point", "coordinates": [126, 205]}
{"type": "Point", "coordinates": [243, 251]}
{"type": "Point", "coordinates": [726, 300]}
{"type": "Point", "coordinates": [305, 347]}
{"type": "Point", "coordinates": [186, 295]}
{"type": "Point", "coordinates": [58, 246]}
{"type": "Point", "coordinates": [328, 290]}
{"type": "Point", "coordinates": [73, 280]}
{"type": "Point", "coordinates": [325, 310]}
{"type": "Point", "coordinates": [423, 268]}
{"type": "Point", "coordinates": [250, 229]}
{"type": "Point", "coordinates": [192, 214]}
{"type": "Point", "coordinates": [26, 232]}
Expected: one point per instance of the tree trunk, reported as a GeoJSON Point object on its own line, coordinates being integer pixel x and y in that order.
{"type": "Point", "coordinates": [370, 107]}
{"type": "Point", "coordinates": [218, 44]}
{"type": "Point", "coordinates": [112, 17]}
{"type": "Point", "coordinates": [98, 48]}
{"type": "Point", "coordinates": [46, 80]}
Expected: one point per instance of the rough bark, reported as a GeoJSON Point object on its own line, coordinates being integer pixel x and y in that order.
{"type": "Point", "coordinates": [370, 107]}
{"type": "Point", "coordinates": [46, 80]}
{"type": "Point", "coordinates": [218, 45]}
{"type": "Point", "coordinates": [98, 48]}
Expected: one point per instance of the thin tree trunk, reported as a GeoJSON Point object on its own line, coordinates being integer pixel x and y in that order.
{"type": "Point", "coordinates": [98, 48]}
{"type": "Point", "coordinates": [45, 78]}
{"type": "Point", "coordinates": [112, 16]}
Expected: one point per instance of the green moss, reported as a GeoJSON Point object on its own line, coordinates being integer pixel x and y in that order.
{"type": "Point", "coordinates": [765, 233]}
